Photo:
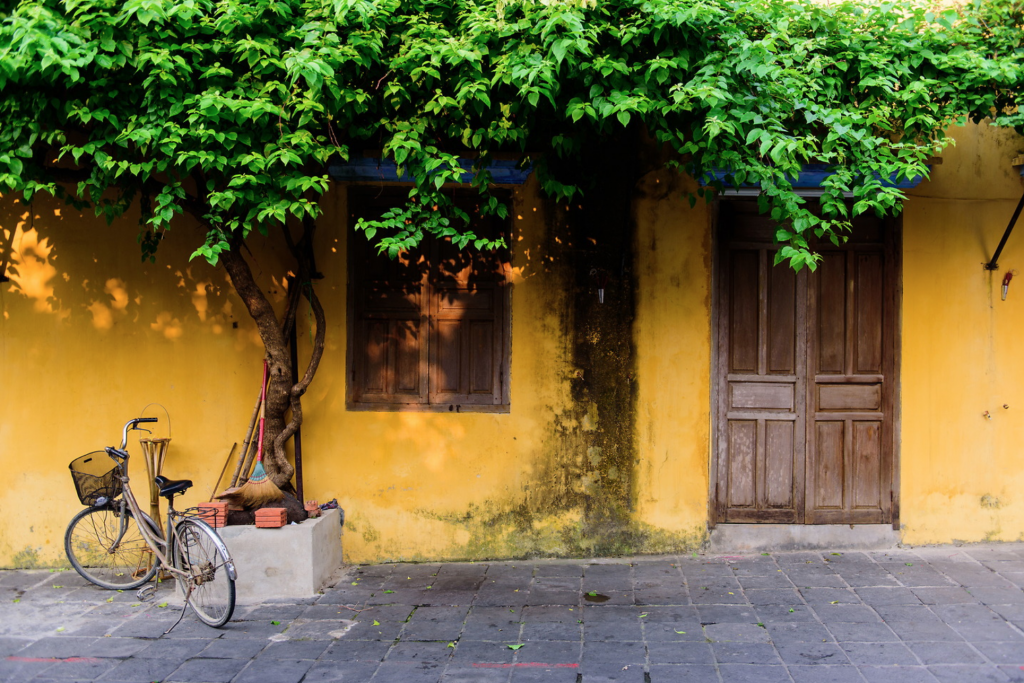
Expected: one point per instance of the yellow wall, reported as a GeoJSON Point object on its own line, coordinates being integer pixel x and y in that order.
{"type": "Point", "coordinates": [963, 356]}
{"type": "Point", "coordinates": [673, 338]}
{"type": "Point", "coordinates": [89, 336]}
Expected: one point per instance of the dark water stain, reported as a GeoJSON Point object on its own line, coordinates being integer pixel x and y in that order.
{"type": "Point", "coordinates": [596, 597]}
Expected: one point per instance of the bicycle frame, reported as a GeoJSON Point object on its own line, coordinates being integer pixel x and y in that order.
{"type": "Point", "coordinates": [158, 542]}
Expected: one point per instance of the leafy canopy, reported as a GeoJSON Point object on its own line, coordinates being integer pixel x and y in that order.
{"type": "Point", "coordinates": [231, 109]}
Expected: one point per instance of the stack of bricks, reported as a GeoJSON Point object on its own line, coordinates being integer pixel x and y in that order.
{"type": "Point", "coordinates": [271, 518]}
{"type": "Point", "coordinates": [215, 514]}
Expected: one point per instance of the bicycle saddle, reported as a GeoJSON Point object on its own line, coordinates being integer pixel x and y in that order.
{"type": "Point", "coordinates": [169, 487]}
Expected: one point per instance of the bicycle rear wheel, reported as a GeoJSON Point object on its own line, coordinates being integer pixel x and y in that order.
{"type": "Point", "coordinates": [103, 555]}
{"type": "Point", "coordinates": [207, 586]}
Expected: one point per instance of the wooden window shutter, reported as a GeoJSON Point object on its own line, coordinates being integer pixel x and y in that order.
{"type": "Point", "coordinates": [467, 313]}
{"type": "Point", "coordinates": [431, 329]}
{"type": "Point", "coordinates": [389, 301]}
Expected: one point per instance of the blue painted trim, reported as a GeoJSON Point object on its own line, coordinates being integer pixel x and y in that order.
{"type": "Point", "coordinates": [503, 171]}
{"type": "Point", "coordinates": [812, 175]}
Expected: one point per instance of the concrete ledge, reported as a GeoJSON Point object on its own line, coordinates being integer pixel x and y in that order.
{"type": "Point", "coordinates": [746, 538]}
{"type": "Point", "coordinates": [294, 561]}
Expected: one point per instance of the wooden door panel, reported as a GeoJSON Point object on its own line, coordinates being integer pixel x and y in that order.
{"type": "Point", "coordinates": [868, 314]}
{"type": "Point", "coordinates": [849, 461]}
{"type": "Point", "coordinates": [805, 378]}
{"type": "Point", "coordinates": [828, 473]}
{"type": "Point", "coordinates": [742, 463]}
{"type": "Point", "coordinates": [743, 318]}
{"type": "Point", "coordinates": [780, 441]}
{"type": "Point", "coordinates": [761, 387]}
{"type": "Point", "coordinates": [831, 314]}
{"type": "Point", "coordinates": [847, 397]}
{"type": "Point", "coordinates": [867, 465]}
{"type": "Point", "coordinates": [781, 321]}
{"type": "Point", "coordinates": [761, 396]}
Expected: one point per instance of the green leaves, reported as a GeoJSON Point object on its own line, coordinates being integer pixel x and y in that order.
{"type": "Point", "coordinates": [232, 111]}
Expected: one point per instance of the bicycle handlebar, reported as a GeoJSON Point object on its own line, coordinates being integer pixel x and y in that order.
{"type": "Point", "coordinates": [130, 424]}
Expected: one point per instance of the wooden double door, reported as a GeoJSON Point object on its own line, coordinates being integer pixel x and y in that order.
{"type": "Point", "coordinates": [806, 377]}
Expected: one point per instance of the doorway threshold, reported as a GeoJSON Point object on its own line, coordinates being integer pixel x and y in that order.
{"type": "Point", "coordinates": [746, 538]}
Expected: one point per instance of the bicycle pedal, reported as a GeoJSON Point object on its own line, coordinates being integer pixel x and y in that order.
{"type": "Point", "coordinates": [146, 592]}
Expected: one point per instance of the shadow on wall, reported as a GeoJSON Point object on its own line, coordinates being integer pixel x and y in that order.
{"type": "Point", "coordinates": [84, 273]}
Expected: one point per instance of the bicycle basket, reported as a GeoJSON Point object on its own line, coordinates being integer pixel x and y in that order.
{"type": "Point", "coordinates": [95, 475]}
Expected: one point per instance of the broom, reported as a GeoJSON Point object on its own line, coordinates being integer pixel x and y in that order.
{"type": "Point", "coordinates": [259, 489]}
{"type": "Point", "coordinates": [245, 458]}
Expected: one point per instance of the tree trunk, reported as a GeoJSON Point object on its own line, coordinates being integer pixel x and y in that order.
{"type": "Point", "coordinates": [279, 388]}
{"type": "Point", "coordinates": [282, 394]}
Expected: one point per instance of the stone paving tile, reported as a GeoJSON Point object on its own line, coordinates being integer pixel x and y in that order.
{"type": "Point", "coordinates": [681, 653]}
{"type": "Point", "coordinates": [785, 613]}
{"type": "Point", "coordinates": [859, 632]}
{"type": "Point", "coordinates": [529, 675]}
{"type": "Point", "coordinates": [879, 654]}
{"type": "Point", "coordinates": [661, 673]}
{"type": "Point", "coordinates": [551, 652]}
{"type": "Point", "coordinates": [207, 671]}
{"type": "Point", "coordinates": [974, 674]}
{"type": "Point", "coordinates": [932, 630]}
{"type": "Point", "coordinates": [1003, 653]}
{"type": "Point", "coordinates": [340, 672]}
{"type": "Point", "coordinates": [812, 654]}
{"type": "Point", "coordinates": [468, 653]}
{"type": "Point", "coordinates": [547, 631]}
{"type": "Point", "coordinates": [475, 676]}
{"type": "Point", "coordinates": [275, 671]}
{"type": "Point", "coordinates": [612, 631]}
{"type": "Point", "coordinates": [135, 670]}
{"type": "Point", "coordinates": [796, 632]}
{"type": "Point", "coordinates": [931, 614]}
{"type": "Point", "coordinates": [756, 673]}
{"type": "Point", "coordinates": [745, 653]}
{"type": "Point", "coordinates": [736, 633]}
{"type": "Point", "coordinates": [367, 651]}
{"type": "Point", "coordinates": [946, 653]}
{"type": "Point", "coordinates": [901, 674]}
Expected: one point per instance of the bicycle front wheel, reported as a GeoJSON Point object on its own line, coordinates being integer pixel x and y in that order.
{"type": "Point", "coordinates": [207, 585]}
{"type": "Point", "coordinates": [102, 554]}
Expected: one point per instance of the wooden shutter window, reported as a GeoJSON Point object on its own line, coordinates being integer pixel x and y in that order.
{"type": "Point", "coordinates": [431, 330]}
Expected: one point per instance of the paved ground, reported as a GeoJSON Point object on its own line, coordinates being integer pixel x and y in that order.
{"type": "Point", "coordinates": [935, 614]}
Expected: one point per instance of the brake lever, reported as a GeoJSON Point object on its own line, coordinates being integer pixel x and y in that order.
{"type": "Point", "coordinates": [140, 429]}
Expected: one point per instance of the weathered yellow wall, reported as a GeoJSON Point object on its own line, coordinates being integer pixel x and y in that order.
{"type": "Point", "coordinates": [673, 337]}
{"type": "Point", "coordinates": [963, 474]}
{"type": "Point", "coordinates": [89, 336]}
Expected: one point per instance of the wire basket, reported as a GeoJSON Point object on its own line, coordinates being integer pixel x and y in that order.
{"type": "Point", "coordinates": [95, 476]}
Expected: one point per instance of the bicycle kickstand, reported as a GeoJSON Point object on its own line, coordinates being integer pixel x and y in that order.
{"type": "Point", "coordinates": [178, 620]}
{"type": "Point", "coordinates": [184, 608]}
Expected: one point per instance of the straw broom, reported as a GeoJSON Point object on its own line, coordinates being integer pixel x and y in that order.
{"type": "Point", "coordinates": [259, 489]}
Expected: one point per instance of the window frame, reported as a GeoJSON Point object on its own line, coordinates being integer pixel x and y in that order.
{"type": "Point", "coordinates": [360, 197]}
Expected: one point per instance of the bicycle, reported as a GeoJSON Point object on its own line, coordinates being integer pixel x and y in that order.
{"type": "Point", "coordinates": [108, 546]}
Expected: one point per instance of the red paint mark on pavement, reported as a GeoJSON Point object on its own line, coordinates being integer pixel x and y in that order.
{"type": "Point", "coordinates": [526, 665]}
{"type": "Point", "coordinates": [71, 660]}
